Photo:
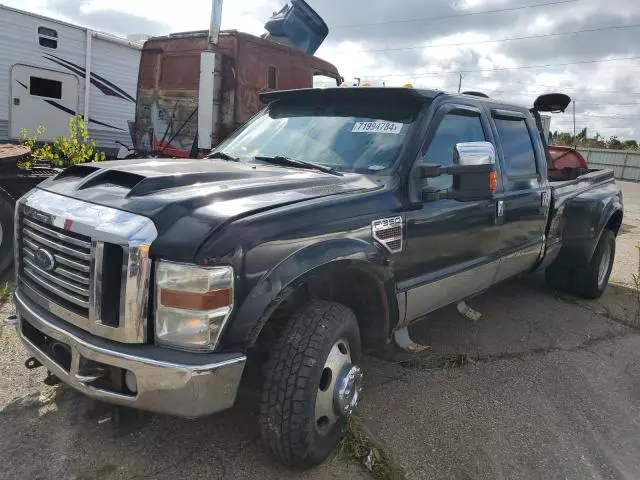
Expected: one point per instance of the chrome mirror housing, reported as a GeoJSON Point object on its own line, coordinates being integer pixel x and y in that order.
{"type": "Point", "coordinates": [474, 153]}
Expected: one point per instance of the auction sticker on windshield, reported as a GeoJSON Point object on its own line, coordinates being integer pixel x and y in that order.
{"type": "Point", "coordinates": [377, 126]}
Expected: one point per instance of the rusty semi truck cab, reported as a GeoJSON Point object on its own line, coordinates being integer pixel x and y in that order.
{"type": "Point", "coordinates": [166, 110]}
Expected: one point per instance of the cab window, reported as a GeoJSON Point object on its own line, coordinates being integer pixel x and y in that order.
{"type": "Point", "coordinates": [454, 128]}
{"type": "Point", "coordinates": [517, 147]}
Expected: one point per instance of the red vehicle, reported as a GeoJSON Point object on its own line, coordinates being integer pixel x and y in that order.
{"type": "Point", "coordinates": [207, 82]}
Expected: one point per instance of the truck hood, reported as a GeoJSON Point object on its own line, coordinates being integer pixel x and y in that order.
{"type": "Point", "coordinates": [188, 200]}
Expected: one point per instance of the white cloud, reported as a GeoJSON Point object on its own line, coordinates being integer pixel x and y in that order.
{"type": "Point", "coordinates": [410, 46]}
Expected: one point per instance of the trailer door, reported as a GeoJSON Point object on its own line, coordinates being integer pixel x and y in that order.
{"type": "Point", "coordinates": [42, 97]}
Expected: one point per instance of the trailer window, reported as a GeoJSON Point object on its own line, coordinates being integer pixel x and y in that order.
{"type": "Point", "coordinates": [47, 37]}
{"type": "Point", "coordinates": [43, 87]}
{"type": "Point", "coordinates": [271, 78]}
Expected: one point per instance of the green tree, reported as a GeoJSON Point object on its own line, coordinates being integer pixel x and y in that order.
{"type": "Point", "coordinates": [614, 143]}
{"type": "Point", "coordinates": [78, 147]}
{"type": "Point", "coordinates": [583, 134]}
{"type": "Point", "coordinates": [630, 145]}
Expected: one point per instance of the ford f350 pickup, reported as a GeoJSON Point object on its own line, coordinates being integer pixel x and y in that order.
{"type": "Point", "coordinates": [332, 220]}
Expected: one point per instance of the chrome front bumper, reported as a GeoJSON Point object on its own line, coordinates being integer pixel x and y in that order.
{"type": "Point", "coordinates": [168, 381]}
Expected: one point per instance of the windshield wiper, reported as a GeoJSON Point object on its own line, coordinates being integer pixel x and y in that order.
{"type": "Point", "coordinates": [294, 162]}
{"type": "Point", "coordinates": [223, 156]}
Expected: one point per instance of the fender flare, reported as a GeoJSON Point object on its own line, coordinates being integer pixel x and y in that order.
{"type": "Point", "coordinates": [283, 279]}
{"type": "Point", "coordinates": [610, 209]}
{"type": "Point", "coordinates": [578, 252]}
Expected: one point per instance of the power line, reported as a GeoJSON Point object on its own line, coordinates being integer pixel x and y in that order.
{"type": "Point", "coordinates": [532, 94]}
{"type": "Point", "coordinates": [541, 89]}
{"type": "Point", "coordinates": [455, 15]}
{"type": "Point", "coordinates": [571, 89]}
{"type": "Point", "coordinates": [583, 62]}
{"type": "Point", "coordinates": [545, 35]}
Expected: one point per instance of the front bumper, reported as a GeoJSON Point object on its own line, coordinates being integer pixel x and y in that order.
{"type": "Point", "coordinates": [168, 381]}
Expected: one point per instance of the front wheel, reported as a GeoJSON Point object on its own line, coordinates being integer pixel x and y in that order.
{"type": "Point", "coordinates": [591, 281]}
{"type": "Point", "coordinates": [312, 383]}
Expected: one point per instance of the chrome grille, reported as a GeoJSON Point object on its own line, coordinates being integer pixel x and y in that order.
{"type": "Point", "coordinates": [69, 279]}
{"type": "Point", "coordinates": [86, 264]}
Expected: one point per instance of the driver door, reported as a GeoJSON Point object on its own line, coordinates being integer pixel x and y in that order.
{"type": "Point", "coordinates": [452, 246]}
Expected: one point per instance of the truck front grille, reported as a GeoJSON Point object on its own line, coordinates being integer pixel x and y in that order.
{"type": "Point", "coordinates": [86, 264]}
{"type": "Point", "coordinates": [57, 263]}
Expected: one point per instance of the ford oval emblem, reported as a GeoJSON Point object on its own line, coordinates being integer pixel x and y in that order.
{"type": "Point", "coordinates": [44, 259]}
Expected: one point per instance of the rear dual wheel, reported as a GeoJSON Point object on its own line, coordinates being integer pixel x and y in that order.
{"type": "Point", "coordinates": [312, 383]}
{"type": "Point", "coordinates": [591, 280]}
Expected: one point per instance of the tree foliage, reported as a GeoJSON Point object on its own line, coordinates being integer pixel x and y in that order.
{"type": "Point", "coordinates": [77, 147]}
{"type": "Point", "coordinates": [597, 141]}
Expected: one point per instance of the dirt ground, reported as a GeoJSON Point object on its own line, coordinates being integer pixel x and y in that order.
{"type": "Point", "coordinates": [542, 386]}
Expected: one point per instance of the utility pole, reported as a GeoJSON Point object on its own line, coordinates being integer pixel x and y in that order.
{"type": "Point", "coordinates": [460, 84]}
{"type": "Point", "coordinates": [574, 123]}
{"type": "Point", "coordinates": [208, 87]}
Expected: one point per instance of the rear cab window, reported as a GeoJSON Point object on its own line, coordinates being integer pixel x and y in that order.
{"type": "Point", "coordinates": [518, 150]}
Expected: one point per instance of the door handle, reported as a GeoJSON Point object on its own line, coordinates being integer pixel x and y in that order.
{"type": "Point", "coordinates": [16, 102]}
{"type": "Point", "coordinates": [499, 212]}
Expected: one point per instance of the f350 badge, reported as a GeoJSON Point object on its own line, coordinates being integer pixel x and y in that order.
{"type": "Point", "coordinates": [388, 232]}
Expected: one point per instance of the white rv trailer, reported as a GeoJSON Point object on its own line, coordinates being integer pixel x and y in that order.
{"type": "Point", "coordinates": [52, 70]}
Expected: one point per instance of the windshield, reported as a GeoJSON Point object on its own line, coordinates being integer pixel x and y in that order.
{"type": "Point", "coordinates": [350, 138]}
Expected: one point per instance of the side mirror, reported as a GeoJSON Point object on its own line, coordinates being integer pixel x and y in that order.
{"type": "Point", "coordinates": [473, 171]}
{"type": "Point", "coordinates": [474, 153]}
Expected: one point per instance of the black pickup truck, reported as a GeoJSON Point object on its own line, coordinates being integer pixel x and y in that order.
{"type": "Point", "coordinates": [330, 222]}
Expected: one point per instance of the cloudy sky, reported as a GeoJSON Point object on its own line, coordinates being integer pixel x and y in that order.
{"type": "Point", "coordinates": [589, 49]}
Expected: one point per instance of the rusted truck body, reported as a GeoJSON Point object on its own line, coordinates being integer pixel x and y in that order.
{"type": "Point", "coordinates": [169, 81]}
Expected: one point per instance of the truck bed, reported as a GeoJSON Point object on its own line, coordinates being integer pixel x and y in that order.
{"type": "Point", "coordinates": [576, 186]}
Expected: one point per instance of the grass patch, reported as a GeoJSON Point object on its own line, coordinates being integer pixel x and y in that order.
{"type": "Point", "coordinates": [435, 361]}
{"type": "Point", "coordinates": [636, 284]}
{"type": "Point", "coordinates": [5, 292]}
{"type": "Point", "coordinates": [359, 445]}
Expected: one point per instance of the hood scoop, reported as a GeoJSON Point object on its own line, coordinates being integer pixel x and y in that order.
{"type": "Point", "coordinates": [297, 25]}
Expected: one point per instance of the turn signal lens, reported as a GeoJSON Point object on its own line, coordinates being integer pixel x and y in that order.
{"type": "Point", "coordinates": [196, 301]}
{"type": "Point", "coordinates": [493, 181]}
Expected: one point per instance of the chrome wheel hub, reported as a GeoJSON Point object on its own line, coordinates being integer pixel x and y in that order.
{"type": "Point", "coordinates": [348, 388]}
{"type": "Point", "coordinates": [339, 387]}
{"type": "Point", "coordinates": [603, 268]}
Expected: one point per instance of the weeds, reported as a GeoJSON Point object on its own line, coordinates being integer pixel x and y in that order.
{"type": "Point", "coordinates": [435, 361]}
{"type": "Point", "coordinates": [5, 292]}
{"type": "Point", "coordinates": [359, 445]}
{"type": "Point", "coordinates": [636, 284]}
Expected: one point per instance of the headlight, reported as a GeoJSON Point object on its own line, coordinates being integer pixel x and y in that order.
{"type": "Point", "coordinates": [193, 304]}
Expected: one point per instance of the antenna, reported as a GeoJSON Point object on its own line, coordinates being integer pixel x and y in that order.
{"type": "Point", "coordinates": [460, 84]}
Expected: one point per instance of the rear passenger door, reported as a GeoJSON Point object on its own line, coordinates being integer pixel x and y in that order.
{"type": "Point", "coordinates": [523, 205]}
